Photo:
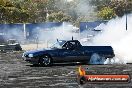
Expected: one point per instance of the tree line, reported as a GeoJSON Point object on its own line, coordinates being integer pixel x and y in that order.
{"type": "Point", "coordinates": [35, 11]}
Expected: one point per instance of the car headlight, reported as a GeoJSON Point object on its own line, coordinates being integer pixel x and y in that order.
{"type": "Point", "coordinates": [23, 55]}
{"type": "Point", "coordinates": [30, 55]}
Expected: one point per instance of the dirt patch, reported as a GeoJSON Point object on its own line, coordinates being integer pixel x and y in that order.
{"type": "Point", "coordinates": [16, 73]}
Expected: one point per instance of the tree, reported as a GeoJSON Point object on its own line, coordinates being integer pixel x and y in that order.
{"type": "Point", "coordinates": [100, 3]}
{"type": "Point", "coordinates": [9, 13]}
{"type": "Point", "coordinates": [36, 9]}
{"type": "Point", "coordinates": [106, 13]}
{"type": "Point", "coordinates": [121, 7]}
{"type": "Point", "coordinates": [6, 8]}
{"type": "Point", "coordinates": [59, 17]}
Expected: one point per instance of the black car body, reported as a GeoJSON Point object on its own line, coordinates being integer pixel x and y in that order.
{"type": "Point", "coordinates": [67, 51]}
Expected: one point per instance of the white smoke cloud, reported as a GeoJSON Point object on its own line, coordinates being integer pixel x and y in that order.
{"type": "Point", "coordinates": [63, 32]}
{"type": "Point", "coordinates": [84, 8]}
{"type": "Point", "coordinates": [78, 9]}
{"type": "Point", "coordinates": [115, 34]}
{"type": "Point", "coordinates": [15, 32]}
{"type": "Point", "coordinates": [69, 0]}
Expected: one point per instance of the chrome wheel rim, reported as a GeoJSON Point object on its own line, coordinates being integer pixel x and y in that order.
{"type": "Point", "coordinates": [46, 61]}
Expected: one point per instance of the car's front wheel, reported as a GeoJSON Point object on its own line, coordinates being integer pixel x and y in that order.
{"type": "Point", "coordinates": [45, 61]}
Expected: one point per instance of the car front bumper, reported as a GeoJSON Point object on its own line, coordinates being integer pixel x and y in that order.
{"type": "Point", "coordinates": [32, 60]}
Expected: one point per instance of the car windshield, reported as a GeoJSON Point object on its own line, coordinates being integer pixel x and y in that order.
{"type": "Point", "coordinates": [58, 44]}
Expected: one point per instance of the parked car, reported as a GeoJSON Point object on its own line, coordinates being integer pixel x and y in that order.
{"type": "Point", "coordinates": [9, 44]}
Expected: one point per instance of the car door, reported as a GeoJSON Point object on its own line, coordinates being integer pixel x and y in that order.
{"type": "Point", "coordinates": [76, 53]}
{"type": "Point", "coordinates": [82, 55]}
{"type": "Point", "coordinates": [69, 54]}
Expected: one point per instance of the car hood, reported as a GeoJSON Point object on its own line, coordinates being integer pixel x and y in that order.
{"type": "Point", "coordinates": [36, 52]}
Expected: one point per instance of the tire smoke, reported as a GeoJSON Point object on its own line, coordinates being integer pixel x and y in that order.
{"type": "Point", "coordinates": [63, 32]}
{"type": "Point", "coordinates": [114, 33]}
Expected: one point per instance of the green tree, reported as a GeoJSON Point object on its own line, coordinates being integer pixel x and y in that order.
{"type": "Point", "coordinates": [9, 13]}
{"type": "Point", "coordinates": [100, 3]}
{"type": "Point", "coordinates": [37, 9]}
{"type": "Point", "coordinates": [59, 17]}
{"type": "Point", "coordinates": [121, 7]}
{"type": "Point", "coordinates": [106, 13]}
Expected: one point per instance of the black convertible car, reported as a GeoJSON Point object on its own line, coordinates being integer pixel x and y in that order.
{"type": "Point", "coordinates": [69, 51]}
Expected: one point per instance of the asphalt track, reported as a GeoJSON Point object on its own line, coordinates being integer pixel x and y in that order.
{"type": "Point", "coordinates": [16, 73]}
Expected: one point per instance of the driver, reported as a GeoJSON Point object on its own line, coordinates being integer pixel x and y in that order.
{"type": "Point", "coordinates": [69, 45]}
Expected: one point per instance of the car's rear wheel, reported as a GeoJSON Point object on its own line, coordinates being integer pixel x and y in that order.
{"type": "Point", "coordinates": [97, 59]}
{"type": "Point", "coordinates": [45, 61]}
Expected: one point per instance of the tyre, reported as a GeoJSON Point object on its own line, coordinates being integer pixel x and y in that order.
{"type": "Point", "coordinates": [96, 59]}
{"type": "Point", "coordinates": [18, 48]}
{"type": "Point", "coordinates": [82, 80]}
{"type": "Point", "coordinates": [35, 65]}
{"type": "Point", "coordinates": [45, 61]}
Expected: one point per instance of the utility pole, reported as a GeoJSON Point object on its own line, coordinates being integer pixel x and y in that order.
{"type": "Point", "coordinates": [24, 31]}
{"type": "Point", "coordinates": [126, 13]}
{"type": "Point", "coordinates": [37, 40]}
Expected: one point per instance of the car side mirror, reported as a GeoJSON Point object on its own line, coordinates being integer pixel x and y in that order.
{"type": "Point", "coordinates": [64, 47]}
